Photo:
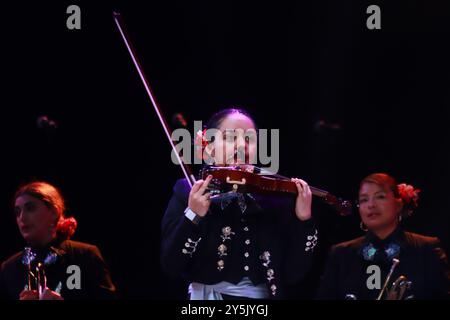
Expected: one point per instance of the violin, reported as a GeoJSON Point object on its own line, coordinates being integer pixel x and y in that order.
{"type": "Point", "coordinates": [251, 179]}
{"type": "Point", "coordinates": [228, 179]}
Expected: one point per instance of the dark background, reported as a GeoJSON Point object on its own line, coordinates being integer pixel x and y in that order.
{"type": "Point", "coordinates": [291, 64]}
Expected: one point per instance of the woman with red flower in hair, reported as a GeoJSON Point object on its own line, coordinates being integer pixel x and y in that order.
{"type": "Point", "coordinates": [241, 245]}
{"type": "Point", "coordinates": [358, 269]}
{"type": "Point", "coordinates": [51, 267]}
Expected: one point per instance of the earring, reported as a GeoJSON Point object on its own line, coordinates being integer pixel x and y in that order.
{"type": "Point", "coordinates": [363, 227]}
{"type": "Point", "coordinates": [208, 157]}
{"type": "Point", "coordinates": [400, 218]}
{"type": "Point", "coordinates": [209, 160]}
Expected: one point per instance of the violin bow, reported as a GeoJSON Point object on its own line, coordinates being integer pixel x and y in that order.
{"type": "Point", "coordinates": [184, 167]}
{"type": "Point", "coordinates": [126, 39]}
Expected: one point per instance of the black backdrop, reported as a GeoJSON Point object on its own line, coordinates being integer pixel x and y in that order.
{"type": "Point", "coordinates": [290, 64]}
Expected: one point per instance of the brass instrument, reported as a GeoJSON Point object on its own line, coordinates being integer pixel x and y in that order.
{"type": "Point", "coordinates": [36, 279]}
{"type": "Point", "coordinates": [41, 279]}
{"type": "Point", "coordinates": [395, 263]}
{"type": "Point", "coordinates": [397, 290]}
{"type": "Point", "coordinates": [399, 286]}
{"type": "Point", "coordinates": [27, 259]}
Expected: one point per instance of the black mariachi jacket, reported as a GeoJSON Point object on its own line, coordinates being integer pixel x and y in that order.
{"type": "Point", "coordinates": [266, 242]}
{"type": "Point", "coordinates": [95, 279]}
{"type": "Point", "coordinates": [422, 261]}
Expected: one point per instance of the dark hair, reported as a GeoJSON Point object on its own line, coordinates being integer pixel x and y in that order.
{"type": "Point", "coordinates": [407, 193]}
{"type": "Point", "coordinates": [217, 118]}
{"type": "Point", "coordinates": [53, 199]}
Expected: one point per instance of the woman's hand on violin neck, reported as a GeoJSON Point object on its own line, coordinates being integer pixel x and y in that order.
{"type": "Point", "coordinates": [304, 200]}
{"type": "Point", "coordinates": [199, 201]}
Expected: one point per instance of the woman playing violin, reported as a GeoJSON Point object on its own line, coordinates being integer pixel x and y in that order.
{"type": "Point", "coordinates": [242, 245]}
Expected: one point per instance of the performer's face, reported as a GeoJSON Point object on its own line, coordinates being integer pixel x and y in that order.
{"type": "Point", "coordinates": [35, 219]}
{"type": "Point", "coordinates": [235, 142]}
{"type": "Point", "coordinates": [378, 207]}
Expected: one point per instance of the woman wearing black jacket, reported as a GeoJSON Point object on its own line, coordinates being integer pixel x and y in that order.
{"type": "Point", "coordinates": [244, 246]}
{"type": "Point", "coordinates": [66, 269]}
{"type": "Point", "coordinates": [351, 269]}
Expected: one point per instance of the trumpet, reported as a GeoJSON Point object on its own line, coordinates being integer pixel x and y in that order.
{"type": "Point", "coordinates": [399, 286]}
{"type": "Point", "coordinates": [395, 263]}
{"type": "Point", "coordinates": [41, 279]}
{"type": "Point", "coordinates": [28, 257]}
{"type": "Point", "coordinates": [396, 291]}
{"type": "Point", "coordinates": [36, 279]}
